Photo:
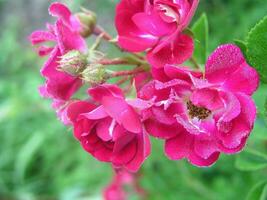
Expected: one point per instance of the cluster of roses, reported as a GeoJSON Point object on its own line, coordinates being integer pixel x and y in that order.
{"type": "Point", "coordinates": [198, 114]}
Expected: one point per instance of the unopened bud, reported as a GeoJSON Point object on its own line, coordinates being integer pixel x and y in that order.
{"type": "Point", "coordinates": [88, 21]}
{"type": "Point", "coordinates": [95, 74]}
{"type": "Point", "coordinates": [73, 62]}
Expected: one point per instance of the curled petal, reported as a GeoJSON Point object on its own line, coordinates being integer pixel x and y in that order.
{"type": "Point", "coordinates": [245, 80]}
{"type": "Point", "coordinates": [153, 24]}
{"type": "Point", "coordinates": [68, 39]}
{"type": "Point", "coordinates": [160, 130]}
{"type": "Point", "coordinates": [77, 108]}
{"type": "Point", "coordinates": [38, 37]}
{"type": "Point", "coordinates": [171, 52]}
{"type": "Point", "coordinates": [60, 11]}
{"type": "Point", "coordinates": [104, 90]}
{"type": "Point", "coordinates": [143, 151]}
{"type": "Point", "coordinates": [124, 114]}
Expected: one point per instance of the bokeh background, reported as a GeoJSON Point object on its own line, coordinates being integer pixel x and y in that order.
{"type": "Point", "coordinates": [39, 159]}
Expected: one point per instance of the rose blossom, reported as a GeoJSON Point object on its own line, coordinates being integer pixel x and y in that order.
{"type": "Point", "coordinates": [202, 115]}
{"type": "Point", "coordinates": [156, 25]}
{"type": "Point", "coordinates": [65, 35]}
{"type": "Point", "coordinates": [111, 132]}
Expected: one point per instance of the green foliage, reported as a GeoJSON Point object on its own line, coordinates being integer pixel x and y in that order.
{"type": "Point", "coordinates": [242, 45]}
{"type": "Point", "coordinates": [201, 35]}
{"type": "Point", "coordinates": [258, 192]}
{"type": "Point", "coordinates": [251, 160]}
{"type": "Point", "coordinates": [257, 48]}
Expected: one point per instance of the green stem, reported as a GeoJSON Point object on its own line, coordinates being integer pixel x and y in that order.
{"type": "Point", "coordinates": [194, 62]}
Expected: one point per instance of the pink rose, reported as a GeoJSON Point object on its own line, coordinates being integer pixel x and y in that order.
{"type": "Point", "coordinates": [156, 25]}
{"type": "Point", "coordinates": [65, 36]}
{"type": "Point", "coordinates": [202, 115]}
{"type": "Point", "coordinates": [116, 190]}
{"type": "Point", "coordinates": [111, 132]}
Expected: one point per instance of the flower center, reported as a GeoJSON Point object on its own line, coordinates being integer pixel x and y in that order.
{"type": "Point", "coordinates": [199, 112]}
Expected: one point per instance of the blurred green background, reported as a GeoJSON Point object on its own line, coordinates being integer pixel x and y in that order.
{"type": "Point", "coordinates": [39, 159]}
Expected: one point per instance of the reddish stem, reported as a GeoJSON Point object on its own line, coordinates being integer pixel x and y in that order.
{"type": "Point", "coordinates": [128, 72]}
{"type": "Point", "coordinates": [99, 30]}
{"type": "Point", "coordinates": [122, 81]}
{"type": "Point", "coordinates": [116, 61]}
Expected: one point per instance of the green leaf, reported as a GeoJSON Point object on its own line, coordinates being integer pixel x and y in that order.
{"type": "Point", "coordinates": [265, 109]}
{"type": "Point", "coordinates": [242, 45]}
{"type": "Point", "coordinates": [257, 48]}
{"type": "Point", "coordinates": [251, 160]}
{"type": "Point", "coordinates": [258, 192]}
{"type": "Point", "coordinates": [26, 154]}
{"type": "Point", "coordinates": [201, 33]}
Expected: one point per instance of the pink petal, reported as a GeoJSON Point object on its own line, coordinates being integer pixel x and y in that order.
{"type": "Point", "coordinates": [103, 90]}
{"type": "Point", "coordinates": [103, 129]}
{"type": "Point", "coordinates": [205, 148]}
{"type": "Point", "coordinates": [122, 140]}
{"type": "Point", "coordinates": [179, 147]}
{"type": "Point", "coordinates": [77, 108]}
{"type": "Point", "coordinates": [118, 109]}
{"type": "Point", "coordinates": [232, 107]}
{"type": "Point", "coordinates": [103, 154]}
{"type": "Point", "coordinates": [147, 92]}
{"type": "Point", "coordinates": [141, 79]}
{"type": "Point", "coordinates": [60, 11]}
{"type": "Point", "coordinates": [190, 14]}
{"type": "Point", "coordinates": [224, 61]}
{"type": "Point", "coordinates": [191, 128]}
{"type": "Point", "coordinates": [63, 87]}
{"type": "Point", "coordinates": [159, 74]}
{"type": "Point", "coordinates": [83, 128]}
{"type": "Point", "coordinates": [241, 126]}
{"type": "Point", "coordinates": [136, 44]}
{"type": "Point", "coordinates": [38, 37]}
{"type": "Point", "coordinates": [183, 73]}
{"type": "Point", "coordinates": [245, 79]}
{"type": "Point", "coordinates": [68, 39]}
{"type": "Point", "coordinates": [139, 103]}
{"type": "Point", "coordinates": [98, 113]}
{"type": "Point", "coordinates": [160, 130]}
{"type": "Point", "coordinates": [200, 162]}
{"type": "Point", "coordinates": [143, 151]}
{"type": "Point", "coordinates": [131, 37]}
{"type": "Point", "coordinates": [44, 50]}
{"type": "Point", "coordinates": [163, 116]}
{"type": "Point", "coordinates": [126, 154]}
{"type": "Point", "coordinates": [153, 24]}
{"type": "Point", "coordinates": [171, 52]}
{"type": "Point", "coordinates": [50, 67]}
{"type": "Point", "coordinates": [208, 98]}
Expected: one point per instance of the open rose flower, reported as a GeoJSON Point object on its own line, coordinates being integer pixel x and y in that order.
{"type": "Point", "coordinates": [65, 35]}
{"type": "Point", "coordinates": [111, 132]}
{"type": "Point", "coordinates": [156, 25]}
{"type": "Point", "coordinates": [201, 116]}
